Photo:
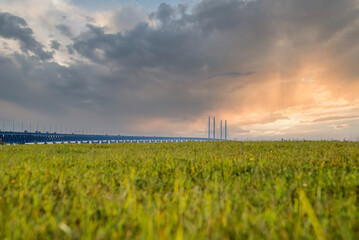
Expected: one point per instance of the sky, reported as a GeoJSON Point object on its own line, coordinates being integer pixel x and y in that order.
{"type": "Point", "coordinates": [272, 68]}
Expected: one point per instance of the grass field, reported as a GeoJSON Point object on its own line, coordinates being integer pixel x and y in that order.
{"type": "Point", "coordinates": [212, 190]}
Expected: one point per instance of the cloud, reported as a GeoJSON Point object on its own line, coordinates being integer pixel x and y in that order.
{"type": "Point", "coordinates": [230, 74]}
{"type": "Point", "coordinates": [262, 119]}
{"type": "Point", "coordinates": [143, 47]}
{"type": "Point", "coordinates": [65, 30]}
{"type": "Point", "coordinates": [164, 13]}
{"type": "Point", "coordinates": [123, 18]}
{"type": "Point", "coordinates": [14, 27]}
{"type": "Point", "coordinates": [268, 63]}
{"type": "Point", "coordinates": [340, 126]}
{"type": "Point", "coordinates": [55, 45]}
{"type": "Point", "coordinates": [334, 118]}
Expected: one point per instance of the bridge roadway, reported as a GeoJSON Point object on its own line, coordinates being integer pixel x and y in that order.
{"type": "Point", "coordinates": [46, 138]}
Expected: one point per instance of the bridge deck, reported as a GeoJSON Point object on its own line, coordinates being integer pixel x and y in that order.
{"type": "Point", "coordinates": [38, 137]}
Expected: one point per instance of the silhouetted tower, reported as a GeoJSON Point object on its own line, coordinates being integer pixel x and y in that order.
{"type": "Point", "coordinates": [214, 127]}
{"type": "Point", "coordinates": [225, 130]}
{"type": "Point", "coordinates": [221, 130]}
{"type": "Point", "coordinates": [209, 127]}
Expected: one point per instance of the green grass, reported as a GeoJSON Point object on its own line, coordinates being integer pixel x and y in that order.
{"type": "Point", "coordinates": [213, 190]}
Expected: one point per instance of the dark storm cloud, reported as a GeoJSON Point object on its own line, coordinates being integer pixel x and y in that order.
{"type": "Point", "coordinates": [14, 27]}
{"type": "Point", "coordinates": [70, 49]}
{"type": "Point", "coordinates": [215, 40]}
{"type": "Point", "coordinates": [221, 35]}
{"type": "Point", "coordinates": [16, 76]}
{"type": "Point", "coordinates": [55, 45]}
{"type": "Point", "coordinates": [49, 87]}
{"type": "Point", "coordinates": [230, 74]}
{"type": "Point", "coordinates": [209, 15]}
{"type": "Point", "coordinates": [172, 50]}
{"type": "Point", "coordinates": [65, 30]}
{"type": "Point", "coordinates": [164, 13]}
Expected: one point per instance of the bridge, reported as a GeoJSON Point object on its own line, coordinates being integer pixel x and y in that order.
{"type": "Point", "coordinates": [37, 137]}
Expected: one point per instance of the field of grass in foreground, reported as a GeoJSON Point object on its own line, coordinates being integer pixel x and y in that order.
{"type": "Point", "coordinates": [212, 190]}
